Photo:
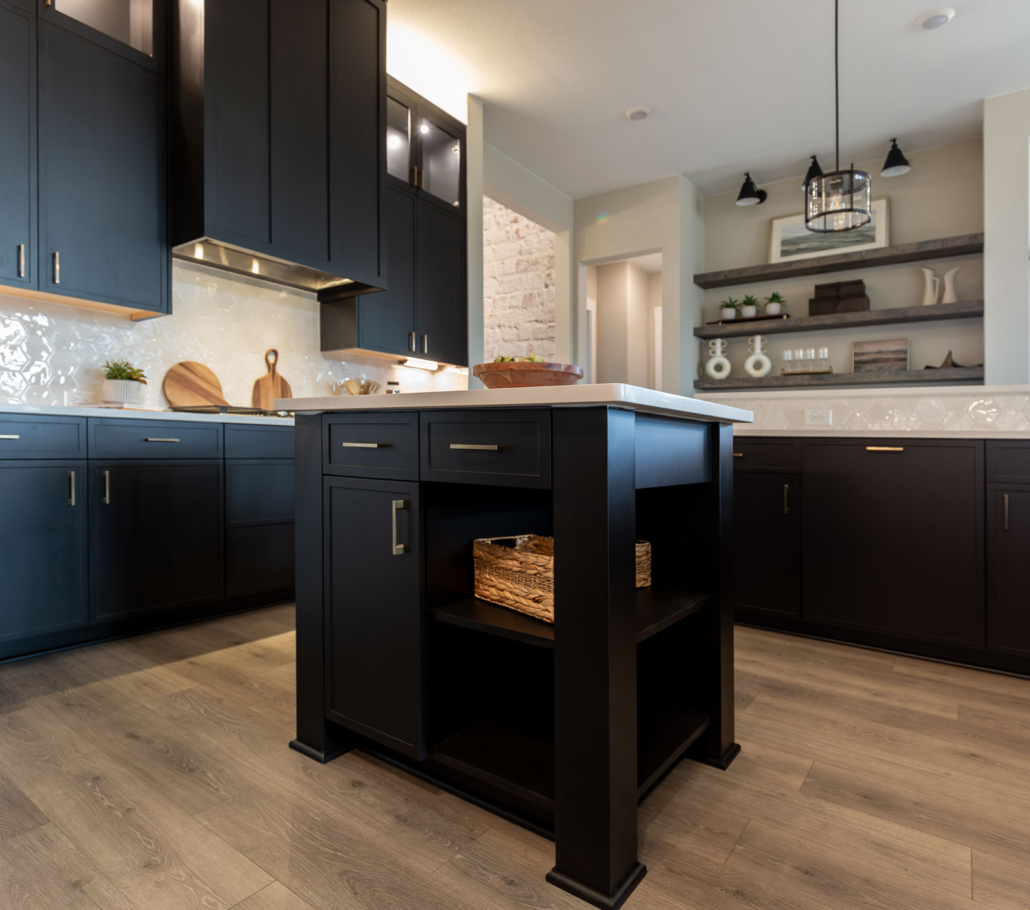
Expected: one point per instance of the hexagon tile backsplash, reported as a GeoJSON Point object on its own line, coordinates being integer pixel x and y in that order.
{"type": "Point", "coordinates": [226, 322]}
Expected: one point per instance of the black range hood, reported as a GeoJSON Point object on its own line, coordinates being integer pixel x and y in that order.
{"type": "Point", "coordinates": [278, 164]}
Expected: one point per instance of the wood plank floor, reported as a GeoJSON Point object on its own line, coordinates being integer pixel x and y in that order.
{"type": "Point", "coordinates": [153, 773]}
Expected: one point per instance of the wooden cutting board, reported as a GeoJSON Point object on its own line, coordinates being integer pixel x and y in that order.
{"type": "Point", "coordinates": [189, 384]}
{"type": "Point", "coordinates": [271, 385]}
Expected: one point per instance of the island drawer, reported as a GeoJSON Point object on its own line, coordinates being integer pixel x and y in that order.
{"type": "Point", "coordinates": [378, 445]}
{"type": "Point", "coordinates": [779, 456]}
{"type": "Point", "coordinates": [132, 438]}
{"type": "Point", "coordinates": [42, 437]}
{"type": "Point", "coordinates": [503, 448]}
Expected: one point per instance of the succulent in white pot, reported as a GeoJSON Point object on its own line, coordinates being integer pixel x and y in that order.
{"type": "Point", "coordinates": [749, 307]}
{"type": "Point", "coordinates": [728, 308]}
{"type": "Point", "coordinates": [123, 383]}
{"type": "Point", "coordinates": [774, 304]}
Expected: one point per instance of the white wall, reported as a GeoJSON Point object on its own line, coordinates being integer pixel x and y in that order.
{"type": "Point", "coordinates": [1006, 147]}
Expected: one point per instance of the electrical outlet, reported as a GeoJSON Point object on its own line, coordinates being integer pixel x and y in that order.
{"type": "Point", "coordinates": [818, 417]}
{"type": "Point", "coordinates": [75, 397]}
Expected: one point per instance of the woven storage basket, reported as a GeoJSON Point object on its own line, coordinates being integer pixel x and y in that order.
{"type": "Point", "coordinates": [518, 572]}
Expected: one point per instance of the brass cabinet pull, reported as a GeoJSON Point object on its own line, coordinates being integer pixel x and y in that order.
{"type": "Point", "coordinates": [885, 448]}
{"type": "Point", "coordinates": [411, 342]}
{"type": "Point", "coordinates": [71, 488]}
{"type": "Point", "coordinates": [425, 344]}
{"type": "Point", "coordinates": [159, 439]}
{"type": "Point", "coordinates": [398, 505]}
{"type": "Point", "coordinates": [21, 260]}
{"type": "Point", "coordinates": [365, 445]}
{"type": "Point", "coordinates": [1006, 511]}
{"type": "Point", "coordinates": [107, 488]}
{"type": "Point", "coordinates": [10, 436]}
{"type": "Point", "coordinates": [474, 448]}
{"type": "Point", "coordinates": [738, 454]}
{"type": "Point", "coordinates": [414, 176]}
{"type": "Point", "coordinates": [786, 499]}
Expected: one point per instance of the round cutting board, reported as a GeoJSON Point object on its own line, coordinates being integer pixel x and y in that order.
{"type": "Point", "coordinates": [189, 384]}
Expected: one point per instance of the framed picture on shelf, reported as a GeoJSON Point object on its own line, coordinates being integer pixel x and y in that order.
{"type": "Point", "coordinates": [791, 240]}
{"type": "Point", "coordinates": [879, 356]}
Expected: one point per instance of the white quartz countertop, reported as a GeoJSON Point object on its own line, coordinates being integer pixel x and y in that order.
{"type": "Point", "coordinates": [127, 414]}
{"type": "Point", "coordinates": [613, 394]}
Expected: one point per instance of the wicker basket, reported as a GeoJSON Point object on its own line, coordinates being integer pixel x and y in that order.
{"type": "Point", "coordinates": [518, 572]}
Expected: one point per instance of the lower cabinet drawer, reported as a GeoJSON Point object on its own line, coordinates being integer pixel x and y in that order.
{"type": "Point", "coordinates": [773, 456]}
{"type": "Point", "coordinates": [504, 448]}
{"type": "Point", "coordinates": [130, 438]}
{"type": "Point", "coordinates": [246, 441]}
{"type": "Point", "coordinates": [42, 437]}
{"type": "Point", "coordinates": [380, 446]}
{"type": "Point", "coordinates": [1008, 461]}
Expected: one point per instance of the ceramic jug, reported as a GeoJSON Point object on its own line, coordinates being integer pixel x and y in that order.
{"type": "Point", "coordinates": [932, 286]}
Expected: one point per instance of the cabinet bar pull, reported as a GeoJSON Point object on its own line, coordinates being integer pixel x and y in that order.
{"type": "Point", "coordinates": [738, 454]}
{"type": "Point", "coordinates": [425, 344]}
{"type": "Point", "coordinates": [414, 176]}
{"type": "Point", "coordinates": [786, 499]}
{"type": "Point", "coordinates": [21, 260]}
{"type": "Point", "coordinates": [398, 548]}
{"type": "Point", "coordinates": [158, 439]}
{"type": "Point", "coordinates": [422, 179]}
{"type": "Point", "coordinates": [15, 436]}
{"type": "Point", "coordinates": [1006, 511]}
{"type": "Point", "coordinates": [366, 445]}
{"type": "Point", "coordinates": [474, 448]}
{"type": "Point", "coordinates": [411, 342]}
{"type": "Point", "coordinates": [107, 488]}
{"type": "Point", "coordinates": [885, 448]}
{"type": "Point", "coordinates": [71, 486]}
{"type": "Point", "coordinates": [57, 268]}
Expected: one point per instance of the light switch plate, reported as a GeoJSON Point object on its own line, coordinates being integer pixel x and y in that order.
{"type": "Point", "coordinates": [75, 397]}
{"type": "Point", "coordinates": [818, 417]}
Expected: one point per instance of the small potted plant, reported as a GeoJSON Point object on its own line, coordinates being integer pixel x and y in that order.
{"type": "Point", "coordinates": [749, 307]}
{"type": "Point", "coordinates": [774, 304]}
{"type": "Point", "coordinates": [123, 383]}
{"type": "Point", "coordinates": [728, 309]}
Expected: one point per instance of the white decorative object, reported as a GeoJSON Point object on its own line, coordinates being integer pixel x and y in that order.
{"type": "Point", "coordinates": [773, 309]}
{"type": "Point", "coordinates": [122, 391]}
{"type": "Point", "coordinates": [750, 311]}
{"type": "Point", "coordinates": [931, 286]}
{"type": "Point", "coordinates": [758, 364]}
{"type": "Point", "coordinates": [718, 366]}
{"type": "Point", "coordinates": [727, 312]}
{"type": "Point", "coordinates": [949, 286]}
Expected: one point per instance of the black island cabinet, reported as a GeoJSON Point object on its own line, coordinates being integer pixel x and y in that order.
{"type": "Point", "coordinates": [562, 727]}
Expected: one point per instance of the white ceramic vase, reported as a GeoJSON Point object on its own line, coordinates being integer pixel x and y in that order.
{"type": "Point", "coordinates": [718, 365]}
{"type": "Point", "coordinates": [931, 285]}
{"type": "Point", "coordinates": [123, 391]}
{"type": "Point", "coordinates": [949, 286]}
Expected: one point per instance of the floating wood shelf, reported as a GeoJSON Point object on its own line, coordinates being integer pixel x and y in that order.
{"type": "Point", "coordinates": [966, 309]}
{"type": "Point", "coordinates": [963, 245]}
{"type": "Point", "coordinates": [899, 377]}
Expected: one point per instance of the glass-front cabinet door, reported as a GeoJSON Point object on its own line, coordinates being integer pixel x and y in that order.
{"type": "Point", "coordinates": [134, 28]}
{"type": "Point", "coordinates": [399, 160]}
{"type": "Point", "coordinates": [441, 160]}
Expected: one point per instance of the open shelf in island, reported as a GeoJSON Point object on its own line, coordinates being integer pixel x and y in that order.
{"type": "Point", "coordinates": [657, 609]}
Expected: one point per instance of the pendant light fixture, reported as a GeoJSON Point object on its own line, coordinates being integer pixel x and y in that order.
{"type": "Point", "coordinates": [750, 194]}
{"type": "Point", "coordinates": [896, 163]}
{"type": "Point", "coordinates": [842, 199]}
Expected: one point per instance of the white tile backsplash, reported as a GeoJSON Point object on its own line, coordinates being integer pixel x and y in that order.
{"type": "Point", "coordinates": [224, 321]}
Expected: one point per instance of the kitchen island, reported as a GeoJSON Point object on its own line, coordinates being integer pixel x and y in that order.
{"type": "Point", "coordinates": [560, 727]}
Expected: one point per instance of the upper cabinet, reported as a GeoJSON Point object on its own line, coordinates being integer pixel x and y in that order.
{"type": "Point", "coordinates": [133, 28]}
{"type": "Point", "coordinates": [279, 167]}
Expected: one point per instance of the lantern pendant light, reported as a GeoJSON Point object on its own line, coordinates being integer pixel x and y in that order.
{"type": "Point", "coordinates": [840, 200]}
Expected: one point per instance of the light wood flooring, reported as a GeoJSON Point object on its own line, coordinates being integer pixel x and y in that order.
{"type": "Point", "coordinates": [153, 773]}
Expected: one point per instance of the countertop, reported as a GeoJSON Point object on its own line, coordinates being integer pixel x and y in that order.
{"type": "Point", "coordinates": [126, 414]}
{"type": "Point", "coordinates": [612, 394]}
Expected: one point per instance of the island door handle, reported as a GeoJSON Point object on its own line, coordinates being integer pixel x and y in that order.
{"type": "Point", "coordinates": [10, 436]}
{"type": "Point", "coordinates": [398, 548]}
{"type": "Point", "coordinates": [365, 445]}
{"type": "Point", "coordinates": [107, 488]}
{"type": "Point", "coordinates": [786, 499]}
{"type": "Point", "coordinates": [1006, 511]}
{"type": "Point", "coordinates": [21, 260]}
{"type": "Point", "coordinates": [425, 344]}
{"type": "Point", "coordinates": [71, 489]}
{"type": "Point", "coordinates": [411, 342]}
{"type": "Point", "coordinates": [474, 448]}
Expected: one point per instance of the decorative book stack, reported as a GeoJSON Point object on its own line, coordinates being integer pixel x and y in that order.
{"type": "Point", "coordinates": [838, 297]}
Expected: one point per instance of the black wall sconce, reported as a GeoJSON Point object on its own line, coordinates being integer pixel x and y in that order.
{"type": "Point", "coordinates": [750, 194]}
{"type": "Point", "coordinates": [896, 163]}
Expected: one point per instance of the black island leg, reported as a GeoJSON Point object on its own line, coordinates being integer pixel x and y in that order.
{"type": "Point", "coordinates": [595, 656]}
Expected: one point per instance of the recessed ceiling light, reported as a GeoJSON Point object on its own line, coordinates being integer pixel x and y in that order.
{"type": "Point", "coordinates": [936, 18]}
{"type": "Point", "coordinates": [638, 113]}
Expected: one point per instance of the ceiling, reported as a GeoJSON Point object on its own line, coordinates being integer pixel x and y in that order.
{"type": "Point", "coordinates": [735, 84]}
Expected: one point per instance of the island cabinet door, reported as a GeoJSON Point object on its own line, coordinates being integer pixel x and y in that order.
{"type": "Point", "coordinates": [1008, 542]}
{"type": "Point", "coordinates": [893, 535]}
{"type": "Point", "coordinates": [374, 615]}
{"type": "Point", "coordinates": [767, 557]}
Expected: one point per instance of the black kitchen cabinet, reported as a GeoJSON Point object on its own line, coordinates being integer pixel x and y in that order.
{"type": "Point", "coordinates": [102, 185]}
{"type": "Point", "coordinates": [17, 147]}
{"type": "Point", "coordinates": [279, 165]}
{"type": "Point", "coordinates": [767, 557]}
{"type": "Point", "coordinates": [1008, 543]}
{"type": "Point", "coordinates": [440, 282]}
{"type": "Point", "coordinates": [893, 538]}
{"type": "Point", "coordinates": [156, 538]}
{"type": "Point", "coordinates": [42, 547]}
{"type": "Point", "coordinates": [375, 622]}
{"type": "Point", "coordinates": [133, 28]}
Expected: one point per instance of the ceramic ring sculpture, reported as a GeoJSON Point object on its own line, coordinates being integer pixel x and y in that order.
{"type": "Point", "coordinates": [758, 364]}
{"type": "Point", "coordinates": [718, 366]}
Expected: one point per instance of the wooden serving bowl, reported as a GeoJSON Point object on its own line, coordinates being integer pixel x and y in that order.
{"type": "Point", "coordinates": [514, 375]}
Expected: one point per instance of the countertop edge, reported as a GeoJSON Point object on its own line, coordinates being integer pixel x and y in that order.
{"type": "Point", "coordinates": [34, 410]}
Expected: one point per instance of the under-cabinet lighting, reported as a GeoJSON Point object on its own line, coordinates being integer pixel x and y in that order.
{"type": "Point", "coordinates": [198, 251]}
{"type": "Point", "coordinates": [255, 267]}
{"type": "Point", "coordinates": [419, 364]}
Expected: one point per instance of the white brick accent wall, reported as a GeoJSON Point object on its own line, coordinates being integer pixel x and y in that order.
{"type": "Point", "coordinates": [518, 284]}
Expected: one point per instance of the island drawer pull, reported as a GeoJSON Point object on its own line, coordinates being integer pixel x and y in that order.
{"type": "Point", "coordinates": [158, 439]}
{"type": "Point", "coordinates": [738, 454]}
{"type": "Point", "coordinates": [474, 448]}
{"type": "Point", "coordinates": [398, 548]}
{"type": "Point", "coordinates": [11, 436]}
{"type": "Point", "coordinates": [885, 448]}
{"type": "Point", "coordinates": [365, 445]}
